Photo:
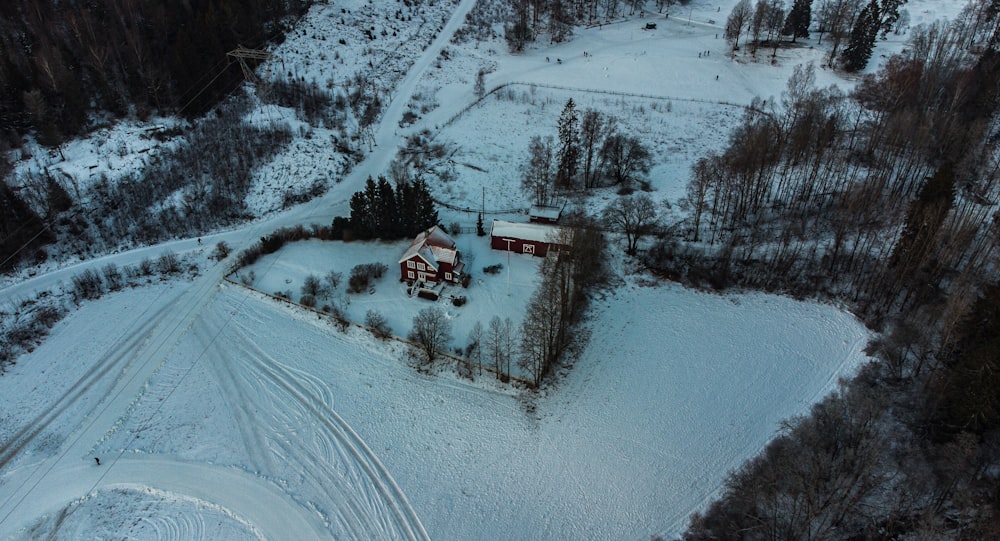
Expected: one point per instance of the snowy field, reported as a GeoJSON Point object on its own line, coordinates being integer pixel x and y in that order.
{"type": "Point", "coordinates": [220, 414]}
{"type": "Point", "coordinates": [676, 388]}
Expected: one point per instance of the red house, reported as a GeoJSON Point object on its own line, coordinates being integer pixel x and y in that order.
{"type": "Point", "coordinates": [432, 258]}
{"type": "Point", "coordinates": [531, 238]}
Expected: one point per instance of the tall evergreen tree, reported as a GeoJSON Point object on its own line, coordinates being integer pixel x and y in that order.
{"type": "Point", "coordinates": [569, 146]}
{"type": "Point", "coordinates": [863, 34]}
{"type": "Point", "coordinates": [798, 20]}
{"type": "Point", "coordinates": [424, 212]}
{"type": "Point", "coordinates": [387, 210]}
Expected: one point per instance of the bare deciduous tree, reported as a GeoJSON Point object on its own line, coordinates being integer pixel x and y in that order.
{"type": "Point", "coordinates": [537, 177]}
{"type": "Point", "coordinates": [431, 332]}
{"type": "Point", "coordinates": [625, 158]}
{"type": "Point", "coordinates": [632, 216]}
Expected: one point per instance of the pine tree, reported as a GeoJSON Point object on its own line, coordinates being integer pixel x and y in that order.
{"type": "Point", "coordinates": [360, 228]}
{"type": "Point", "coordinates": [426, 215]}
{"type": "Point", "coordinates": [387, 210]}
{"type": "Point", "coordinates": [859, 48]}
{"type": "Point", "coordinates": [798, 20]}
{"type": "Point", "coordinates": [569, 146]}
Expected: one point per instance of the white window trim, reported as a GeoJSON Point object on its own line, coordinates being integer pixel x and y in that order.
{"type": "Point", "coordinates": [409, 274]}
{"type": "Point", "coordinates": [420, 266]}
{"type": "Point", "coordinates": [409, 264]}
{"type": "Point", "coordinates": [447, 276]}
{"type": "Point", "coordinates": [528, 248]}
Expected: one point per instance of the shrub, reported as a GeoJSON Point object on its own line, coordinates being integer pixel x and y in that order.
{"type": "Point", "coordinates": [333, 279]}
{"type": "Point", "coordinates": [492, 269]}
{"type": "Point", "coordinates": [112, 277]}
{"type": "Point", "coordinates": [308, 300]}
{"type": "Point", "coordinates": [377, 323]}
{"type": "Point", "coordinates": [311, 286]}
{"type": "Point", "coordinates": [221, 250]}
{"type": "Point", "coordinates": [87, 285]}
{"type": "Point", "coordinates": [168, 263]}
{"type": "Point", "coordinates": [363, 274]}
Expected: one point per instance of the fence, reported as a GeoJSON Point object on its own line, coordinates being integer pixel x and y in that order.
{"type": "Point", "coordinates": [597, 91]}
{"type": "Point", "coordinates": [348, 323]}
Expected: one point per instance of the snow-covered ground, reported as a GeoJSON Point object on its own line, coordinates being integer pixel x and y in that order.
{"type": "Point", "coordinates": [279, 409]}
{"type": "Point", "coordinates": [220, 414]}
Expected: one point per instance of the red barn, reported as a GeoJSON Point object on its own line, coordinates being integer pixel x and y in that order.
{"type": "Point", "coordinates": [432, 258]}
{"type": "Point", "coordinates": [531, 238]}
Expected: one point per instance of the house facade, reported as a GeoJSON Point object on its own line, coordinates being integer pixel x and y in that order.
{"type": "Point", "coordinates": [525, 238]}
{"type": "Point", "coordinates": [432, 258]}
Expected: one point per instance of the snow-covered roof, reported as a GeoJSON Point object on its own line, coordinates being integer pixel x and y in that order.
{"type": "Point", "coordinates": [434, 246]}
{"type": "Point", "coordinates": [549, 213]}
{"type": "Point", "coordinates": [527, 231]}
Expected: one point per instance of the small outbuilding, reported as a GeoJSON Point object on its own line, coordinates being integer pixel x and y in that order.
{"type": "Point", "coordinates": [432, 258]}
{"type": "Point", "coordinates": [526, 238]}
{"type": "Point", "coordinates": [539, 214]}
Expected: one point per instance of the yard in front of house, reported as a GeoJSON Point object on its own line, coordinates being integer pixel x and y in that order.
{"type": "Point", "coordinates": [504, 294]}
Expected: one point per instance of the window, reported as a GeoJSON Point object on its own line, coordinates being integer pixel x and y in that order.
{"type": "Point", "coordinates": [420, 266]}
{"type": "Point", "coordinates": [447, 276]}
{"type": "Point", "coordinates": [410, 265]}
{"type": "Point", "coordinates": [409, 274]}
{"type": "Point", "coordinates": [529, 248]}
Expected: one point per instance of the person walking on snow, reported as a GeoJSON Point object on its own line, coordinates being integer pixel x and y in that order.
{"type": "Point", "coordinates": [98, 460]}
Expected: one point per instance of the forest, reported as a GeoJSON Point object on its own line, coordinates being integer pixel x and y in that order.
{"type": "Point", "coordinates": [61, 62]}
{"type": "Point", "coordinates": [882, 200]}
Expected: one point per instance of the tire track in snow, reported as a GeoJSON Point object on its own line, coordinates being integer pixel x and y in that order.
{"type": "Point", "coordinates": [348, 444]}
{"type": "Point", "coordinates": [223, 365]}
{"type": "Point", "coordinates": [282, 435]}
{"type": "Point", "coordinates": [118, 359]}
{"type": "Point", "coordinates": [140, 358]}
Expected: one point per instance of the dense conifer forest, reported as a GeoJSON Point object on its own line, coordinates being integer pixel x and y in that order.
{"type": "Point", "coordinates": [60, 62]}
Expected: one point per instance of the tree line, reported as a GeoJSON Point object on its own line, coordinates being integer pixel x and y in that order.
{"type": "Point", "coordinates": [530, 19]}
{"type": "Point", "coordinates": [883, 200]}
{"type": "Point", "coordinates": [591, 151]}
{"type": "Point", "coordinates": [380, 211]}
{"type": "Point", "coordinates": [62, 61]}
{"type": "Point", "coordinates": [857, 22]}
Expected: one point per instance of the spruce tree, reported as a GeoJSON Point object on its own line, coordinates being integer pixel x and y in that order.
{"type": "Point", "coordinates": [859, 48]}
{"type": "Point", "coordinates": [569, 146]}
{"type": "Point", "coordinates": [387, 211]}
{"type": "Point", "coordinates": [426, 213]}
{"type": "Point", "coordinates": [798, 20]}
